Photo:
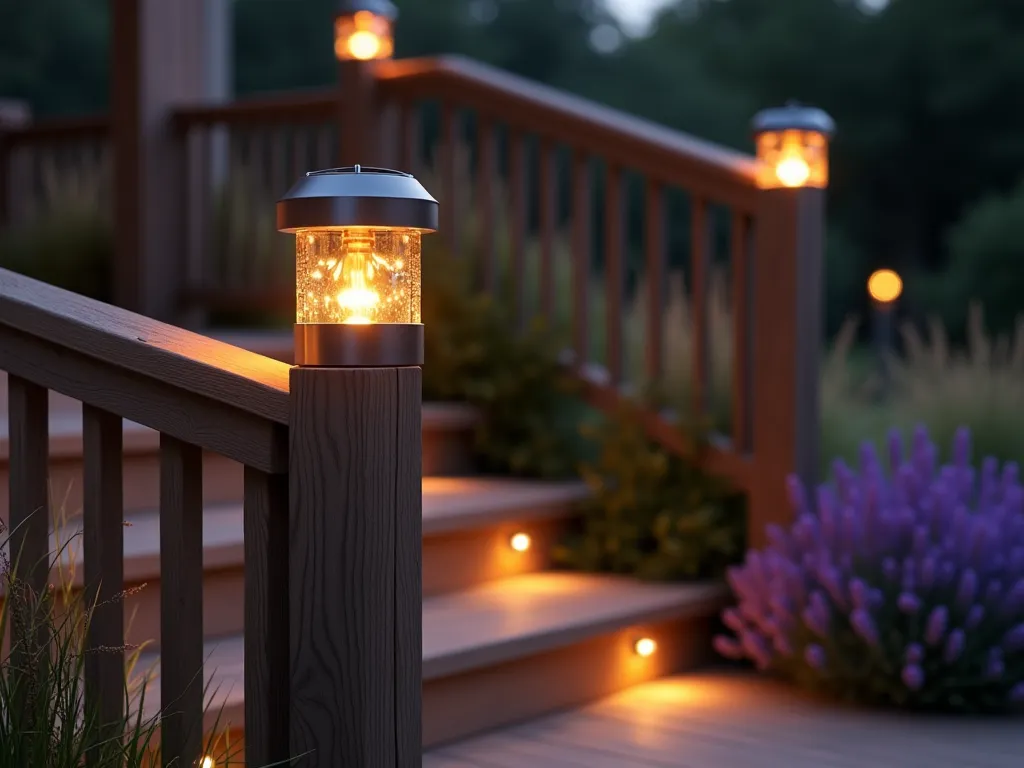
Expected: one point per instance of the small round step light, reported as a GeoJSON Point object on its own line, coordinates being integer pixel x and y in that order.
{"type": "Point", "coordinates": [520, 542]}
{"type": "Point", "coordinates": [645, 647]}
{"type": "Point", "coordinates": [207, 762]}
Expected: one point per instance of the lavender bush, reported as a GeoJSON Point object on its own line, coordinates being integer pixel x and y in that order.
{"type": "Point", "coordinates": [905, 587]}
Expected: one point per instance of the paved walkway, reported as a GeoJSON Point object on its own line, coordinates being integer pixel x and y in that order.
{"type": "Point", "coordinates": [737, 721]}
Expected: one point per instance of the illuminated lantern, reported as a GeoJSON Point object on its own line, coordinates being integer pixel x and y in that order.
{"type": "Point", "coordinates": [364, 30]}
{"type": "Point", "coordinates": [357, 265]}
{"type": "Point", "coordinates": [792, 146]}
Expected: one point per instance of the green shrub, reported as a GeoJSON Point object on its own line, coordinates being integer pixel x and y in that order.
{"type": "Point", "coordinates": [43, 719]}
{"type": "Point", "coordinates": [651, 513]}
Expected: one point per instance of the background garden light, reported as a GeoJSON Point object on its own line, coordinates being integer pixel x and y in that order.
{"type": "Point", "coordinates": [357, 265]}
{"type": "Point", "coordinates": [884, 288]}
{"type": "Point", "coordinates": [364, 31]}
{"type": "Point", "coordinates": [792, 146]}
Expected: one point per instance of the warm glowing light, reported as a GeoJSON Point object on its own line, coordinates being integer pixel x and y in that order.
{"type": "Point", "coordinates": [363, 36]}
{"type": "Point", "coordinates": [885, 286]}
{"type": "Point", "coordinates": [792, 170]}
{"type": "Point", "coordinates": [357, 276]}
{"type": "Point", "coordinates": [792, 159]}
{"type": "Point", "coordinates": [207, 762]}
{"type": "Point", "coordinates": [520, 542]}
{"type": "Point", "coordinates": [645, 647]}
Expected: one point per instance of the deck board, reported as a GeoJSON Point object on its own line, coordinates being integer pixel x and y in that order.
{"type": "Point", "coordinates": [737, 721]}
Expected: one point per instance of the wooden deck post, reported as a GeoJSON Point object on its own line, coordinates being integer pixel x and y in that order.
{"type": "Point", "coordinates": [355, 507]}
{"type": "Point", "coordinates": [358, 121]}
{"type": "Point", "coordinates": [157, 62]}
{"type": "Point", "coordinates": [789, 333]}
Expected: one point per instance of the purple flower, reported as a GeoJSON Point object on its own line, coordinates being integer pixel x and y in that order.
{"type": "Point", "coordinates": [732, 619]}
{"type": "Point", "coordinates": [815, 657]}
{"type": "Point", "coordinates": [756, 649]}
{"type": "Point", "coordinates": [727, 647]}
{"type": "Point", "coordinates": [864, 626]}
{"type": "Point", "coordinates": [966, 590]}
{"type": "Point", "coordinates": [908, 603]}
{"type": "Point", "coordinates": [974, 617]}
{"type": "Point", "coordinates": [1016, 695]}
{"type": "Point", "coordinates": [913, 677]}
{"type": "Point", "coordinates": [1014, 639]}
{"type": "Point", "coordinates": [860, 594]}
{"type": "Point", "coordinates": [955, 643]}
{"type": "Point", "coordinates": [914, 654]}
{"type": "Point", "coordinates": [994, 666]}
{"type": "Point", "coordinates": [935, 627]}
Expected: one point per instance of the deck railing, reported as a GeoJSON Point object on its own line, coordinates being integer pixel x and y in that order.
{"type": "Point", "coordinates": [590, 201]}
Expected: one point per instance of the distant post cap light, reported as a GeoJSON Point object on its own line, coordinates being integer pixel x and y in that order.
{"type": "Point", "coordinates": [792, 146]}
{"type": "Point", "coordinates": [364, 30]}
{"type": "Point", "coordinates": [357, 265]}
{"type": "Point", "coordinates": [885, 286]}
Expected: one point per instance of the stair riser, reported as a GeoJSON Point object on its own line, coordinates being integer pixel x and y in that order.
{"type": "Point", "coordinates": [464, 705]}
{"type": "Point", "coordinates": [451, 562]}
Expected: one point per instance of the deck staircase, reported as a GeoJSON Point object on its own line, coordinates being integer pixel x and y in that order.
{"type": "Point", "coordinates": [505, 638]}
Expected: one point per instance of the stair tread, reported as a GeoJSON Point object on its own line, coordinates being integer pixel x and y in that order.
{"type": "Point", "coordinates": [448, 504]}
{"type": "Point", "coordinates": [66, 428]}
{"type": "Point", "coordinates": [500, 622]}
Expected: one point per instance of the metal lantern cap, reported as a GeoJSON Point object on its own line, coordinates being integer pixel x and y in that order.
{"type": "Point", "coordinates": [794, 117]}
{"type": "Point", "coordinates": [357, 196]}
{"type": "Point", "coordinates": [383, 8]}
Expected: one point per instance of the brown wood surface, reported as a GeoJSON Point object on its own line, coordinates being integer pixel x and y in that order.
{"type": "Point", "coordinates": [655, 258]}
{"type": "Point", "coordinates": [581, 222]}
{"type": "Point", "coordinates": [310, 107]}
{"type": "Point", "coordinates": [181, 602]}
{"type": "Point", "coordinates": [267, 686]}
{"type": "Point", "coordinates": [485, 203]}
{"type": "Point", "coordinates": [548, 180]}
{"type": "Point", "coordinates": [615, 276]}
{"type": "Point", "coordinates": [151, 401]}
{"type": "Point", "coordinates": [517, 226]}
{"type": "Point", "coordinates": [408, 137]}
{"type": "Point", "coordinates": [188, 361]}
{"type": "Point", "coordinates": [348, 478]}
{"type": "Point", "coordinates": [741, 295]}
{"type": "Point", "coordinates": [721, 174]}
{"type": "Point", "coordinates": [54, 129]}
{"type": "Point", "coordinates": [700, 263]}
{"type": "Point", "coordinates": [103, 541]}
{"type": "Point", "coordinates": [29, 523]}
{"type": "Point", "coordinates": [408, 621]}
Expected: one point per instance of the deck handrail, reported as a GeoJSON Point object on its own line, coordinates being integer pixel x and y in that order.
{"type": "Point", "coordinates": [556, 114]}
{"type": "Point", "coordinates": [52, 129]}
{"type": "Point", "coordinates": [76, 337]}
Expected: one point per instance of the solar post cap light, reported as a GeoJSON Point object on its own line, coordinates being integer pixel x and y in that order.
{"type": "Point", "coordinates": [364, 30]}
{"type": "Point", "coordinates": [792, 146]}
{"type": "Point", "coordinates": [357, 266]}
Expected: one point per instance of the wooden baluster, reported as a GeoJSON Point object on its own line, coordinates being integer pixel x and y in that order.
{"type": "Point", "coordinates": [197, 182]}
{"type": "Point", "coordinates": [326, 137]}
{"type": "Point", "coordinates": [580, 258]}
{"type": "Point", "coordinates": [654, 242]}
{"type": "Point", "coordinates": [742, 331]}
{"type": "Point", "coordinates": [485, 200]}
{"type": "Point", "coordinates": [300, 154]}
{"type": "Point", "coordinates": [517, 226]}
{"type": "Point", "coordinates": [267, 684]}
{"type": "Point", "coordinates": [700, 253]}
{"type": "Point", "coordinates": [408, 137]}
{"type": "Point", "coordinates": [181, 602]}
{"type": "Point", "coordinates": [103, 540]}
{"type": "Point", "coordinates": [614, 268]}
{"type": "Point", "coordinates": [548, 213]}
{"type": "Point", "coordinates": [29, 508]}
{"type": "Point", "coordinates": [449, 193]}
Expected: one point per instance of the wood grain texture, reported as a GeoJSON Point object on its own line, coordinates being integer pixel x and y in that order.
{"type": "Point", "coordinates": [103, 541]}
{"type": "Point", "coordinates": [228, 429]}
{"type": "Point", "coordinates": [29, 511]}
{"type": "Point", "coordinates": [408, 570]}
{"type": "Point", "coordinates": [615, 277]}
{"type": "Point", "coordinates": [654, 247]}
{"type": "Point", "coordinates": [344, 521]}
{"type": "Point", "coordinates": [700, 262]}
{"type": "Point", "coordinates": [686, 161]}
{"type": "Point", "coordinates": [181, 601]}
{"type": "Point", "coordinates": [267, 685]}
{"type": "Point", "coordinates": [581, 223]}
{"type": "Point", "coordinates": [182, 359]}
